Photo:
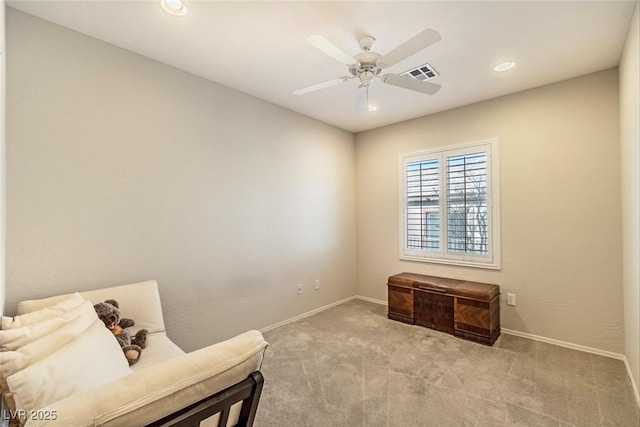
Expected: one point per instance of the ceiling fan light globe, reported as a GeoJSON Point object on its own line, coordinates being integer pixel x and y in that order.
{"type": "Point", "coordinates": [504, 66]}
{"type": "Point", "coordinates": [366, 77]}
{"type": "Point", "coordinates": [174, 7]}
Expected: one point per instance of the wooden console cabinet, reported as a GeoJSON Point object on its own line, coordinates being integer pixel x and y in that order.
{"type": "Point", "coordinates": [465, 309]}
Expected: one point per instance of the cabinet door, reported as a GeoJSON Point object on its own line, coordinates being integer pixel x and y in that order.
{"type": "Point", "coordinates": [401, 304]}
{"type": "Point", "coordinates": [433, 310]}
{"type": "Point", "coordinates": [481, 318]}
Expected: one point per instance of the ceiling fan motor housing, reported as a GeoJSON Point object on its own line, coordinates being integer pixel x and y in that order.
{"type": "Point", "coordinates": [368, 65]}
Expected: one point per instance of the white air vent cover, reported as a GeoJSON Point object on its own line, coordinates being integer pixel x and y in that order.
{"type": "Point", "coordinates": [423, 72]}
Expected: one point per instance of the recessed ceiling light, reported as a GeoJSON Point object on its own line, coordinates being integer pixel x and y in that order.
{"type": "Point", "coordinates": [371, 108]}
{"type": "Point", "coordinates": [504, 66]}
{"type": "Point", "coordinates": [174, 7]}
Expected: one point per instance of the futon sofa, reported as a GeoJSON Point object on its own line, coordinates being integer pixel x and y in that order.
{"type": "Point", "coordinates": [220, 384]}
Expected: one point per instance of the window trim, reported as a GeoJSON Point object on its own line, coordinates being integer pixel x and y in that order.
{"type": "Point", "coordinates": [442, 256]}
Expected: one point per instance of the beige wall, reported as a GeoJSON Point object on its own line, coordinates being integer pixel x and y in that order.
{"type": "Point", "coordinates": [560, 206]}
{"type": "Point", "coordinates": [123, 169]}
{"type": "Point", "coordinates": [2, 151]}
{"type": "Point", "coordinates": [630, 166]}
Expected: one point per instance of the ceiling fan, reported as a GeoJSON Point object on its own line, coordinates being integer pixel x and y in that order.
{"type": "Point", "coordinates": [367, 65]}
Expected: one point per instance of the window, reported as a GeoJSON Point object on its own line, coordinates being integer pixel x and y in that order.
{"type": "Point", "coordinates": [449, 207]}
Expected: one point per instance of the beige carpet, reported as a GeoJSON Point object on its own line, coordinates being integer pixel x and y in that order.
{"type": "Point", "coordinates": [351, 366]}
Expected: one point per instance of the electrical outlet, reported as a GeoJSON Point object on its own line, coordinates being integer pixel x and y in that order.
{"type": "Point", "coordinates": [511, 299]}
{"type": "Point", "coordinates": [299, 289]}
{"type": "Point", "coordinates": [317, 285]}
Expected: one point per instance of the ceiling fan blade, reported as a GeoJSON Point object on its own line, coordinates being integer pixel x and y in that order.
{"type": "Point", "coordinates": [362, 103]}
{"type": "Point", "coordinates": [412, 46]}
{"type": "Point", "coordinates": [322, 43]}
{"type": "Point", "coordinates": [322, 85]}
{"type": "Point", "coordinates": [410, 83]}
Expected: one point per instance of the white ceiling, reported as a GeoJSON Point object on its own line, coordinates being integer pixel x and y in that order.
{"type": "Point", "coordinates": [259, 48]}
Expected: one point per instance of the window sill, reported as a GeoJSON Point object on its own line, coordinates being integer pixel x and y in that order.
{"type": "Point", "coordinates": [472, 264]}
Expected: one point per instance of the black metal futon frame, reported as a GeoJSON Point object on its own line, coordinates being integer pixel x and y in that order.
{"type": "Point", "coordinates": [247, 391]}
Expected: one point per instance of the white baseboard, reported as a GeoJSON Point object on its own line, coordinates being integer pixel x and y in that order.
{"type": "Point", "coordinates": [307, 314]}
{"type": "Point", "coordinates": [566, 344]}
{"type": "Point", "coordinates": [633, 383]}
{"type": "Point", "coordinates": [375, 301]}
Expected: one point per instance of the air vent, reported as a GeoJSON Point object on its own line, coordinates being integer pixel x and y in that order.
{"type": "Point", "coordinates": [423, 72]}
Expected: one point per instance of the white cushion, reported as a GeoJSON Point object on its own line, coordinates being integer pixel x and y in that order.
{"type": "Point", "coordinates": [89, 361]}
{"type": "Point", "coordinates": [159, 348]}
{"type": "Point", "coordinates": [14, 338]}
{"type": "Point", "coordinates": [158, 390]}
{"type": "Point", "coordinates": [138, 301]}
{"type": "Point", "coordinates": [43, 314]}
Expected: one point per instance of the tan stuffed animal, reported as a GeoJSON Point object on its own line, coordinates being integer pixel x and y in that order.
{"type": "Point", "coordinates": [109, 313]}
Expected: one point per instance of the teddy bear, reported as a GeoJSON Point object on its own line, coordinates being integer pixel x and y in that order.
{"type": "Point", "coordinates": [109, 313]}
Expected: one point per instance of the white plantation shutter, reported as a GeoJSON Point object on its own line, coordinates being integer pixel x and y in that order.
{"type": "Point", "coordinates": [447, 206]}
{"type": "Point", "coordinates": [423, 204]}
{"type": "Point", "coordinates": [468, 222]}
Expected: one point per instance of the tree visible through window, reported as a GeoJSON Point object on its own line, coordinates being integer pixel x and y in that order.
{"type": "Point", "coordinates": [448, 197]}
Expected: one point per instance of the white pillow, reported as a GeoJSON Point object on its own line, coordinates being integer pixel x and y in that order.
{"type": "Point", "coordinates": [90, 360]}
{"type": "Point", "coordinates": [42, 314]}
{"type": "Point", "coordinates": [14, 338]}
{"type": "Point", "coordinates": [13, 361]}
